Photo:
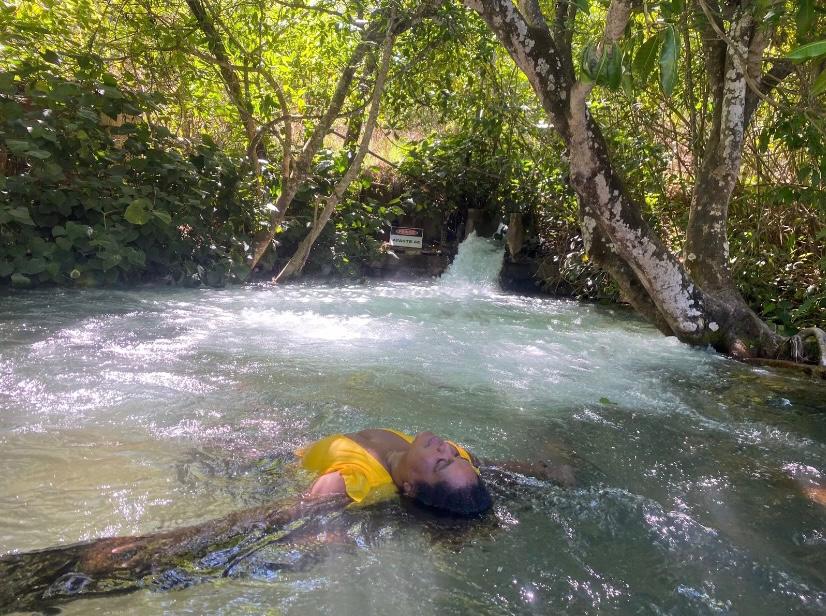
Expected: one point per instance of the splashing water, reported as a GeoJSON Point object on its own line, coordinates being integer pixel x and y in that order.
{"type": "Point", "coordinates": [133, 412]}
{"type": "Point", "coordinates": [476, 266]}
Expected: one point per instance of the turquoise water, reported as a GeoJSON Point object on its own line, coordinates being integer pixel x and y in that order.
{"type": "Point", "coordinates": [133, 412]}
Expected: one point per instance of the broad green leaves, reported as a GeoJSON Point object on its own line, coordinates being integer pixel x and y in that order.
{"type": "Point", "coordinates": [664, 49]}
{"type": "Point", "coordinates": [79, 207]}
{"type": "Point", "coordinates": [645, 58]}
{"type": "Point", "coordinates": [19, 214]}
{"type": "Point", "coordinates": [603, 66]}
{"type": "Point", "coordinates": [139, 211]}
{"type": "Point", "coordinates": [608, 67]}
{"type": "Point", "coordinates": [805, 17]}
{"type": "Point", "coordinates": [819, 85]}
{"type": "Point", "coordinates": [808, 51]}
{"type": "Point", "coordinates": [668, 59]}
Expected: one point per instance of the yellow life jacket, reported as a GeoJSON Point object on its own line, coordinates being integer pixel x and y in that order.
{"type": "Point", "coordinates": [364, 476]}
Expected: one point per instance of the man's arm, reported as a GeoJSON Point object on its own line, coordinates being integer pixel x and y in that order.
{"type": "Point", "coordinates": [560, 474]}
{"type": "Point", "coordinates": [328, 485]}
{"type": "Point", "coordinates": [557, 468]}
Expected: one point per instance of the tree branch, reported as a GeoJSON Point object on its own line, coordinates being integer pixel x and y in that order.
{"type": "Point", "coordinates": [296, 263]}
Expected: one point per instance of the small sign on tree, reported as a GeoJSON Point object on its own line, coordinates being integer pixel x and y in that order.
{"type": "Point", "coordinates": [406, 237]}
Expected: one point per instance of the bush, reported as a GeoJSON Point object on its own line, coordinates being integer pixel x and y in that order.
{"type": "Point", "coordinates": [93, 194]}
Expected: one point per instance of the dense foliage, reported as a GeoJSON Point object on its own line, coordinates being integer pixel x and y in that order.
{"type": "Point", "coordinates": [97, 195]}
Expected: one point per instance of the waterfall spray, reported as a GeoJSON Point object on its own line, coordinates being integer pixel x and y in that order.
{"type": "Point", "coordinates": [476, 266]}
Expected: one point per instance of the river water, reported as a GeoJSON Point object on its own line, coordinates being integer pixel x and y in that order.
{"type": "Point", "coordinates": [125, 412]}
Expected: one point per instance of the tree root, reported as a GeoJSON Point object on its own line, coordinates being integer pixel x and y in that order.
{"type": "Point", "coordinates": [807, 369]}
{"type": "Point", "coordinates": [806, 343]}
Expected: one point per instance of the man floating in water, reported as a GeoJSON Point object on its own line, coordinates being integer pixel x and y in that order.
{"type": "Point", "coordinates": [363, 467]}
{"type": "Point", "coordinates": [372, 463]}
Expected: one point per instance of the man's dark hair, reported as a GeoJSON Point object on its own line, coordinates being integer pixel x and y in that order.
{"type": "Point", "coordinates": [468, 501]}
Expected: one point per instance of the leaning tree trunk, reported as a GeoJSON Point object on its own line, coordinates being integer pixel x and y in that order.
{"type": "Point", "coordinates": [300, 168]}
{"type": "Point", "coordinates": [620, 240]}
{"type": "Point", "coordinates": [232, 83]}
{"type": "Point", "coordinates": [296, 263]}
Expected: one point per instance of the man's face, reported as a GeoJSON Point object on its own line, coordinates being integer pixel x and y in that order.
{"type": "Point", "coordinates": [433, 460]}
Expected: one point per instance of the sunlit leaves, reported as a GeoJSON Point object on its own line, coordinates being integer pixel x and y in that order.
{"type": "Point", "coordinates": [139, 211]}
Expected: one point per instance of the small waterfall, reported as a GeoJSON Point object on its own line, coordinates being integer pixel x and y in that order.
{"type": "Point", "coordinates": [477, 264]}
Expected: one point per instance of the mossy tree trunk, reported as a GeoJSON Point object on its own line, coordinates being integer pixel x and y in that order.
{"type": "Point", "coordinates": [697, 302]}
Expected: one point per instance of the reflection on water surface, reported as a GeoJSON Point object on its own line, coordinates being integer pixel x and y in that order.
{"type": "Point", "coordinates": [132, 412]}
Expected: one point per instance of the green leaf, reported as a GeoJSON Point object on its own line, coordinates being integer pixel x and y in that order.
{"type": "Point", "coordinates": [613, 67]}
{"type": "Point", "coordinates": [590, 63]}
{"type": "Point", "coordinates": [668, 60]}
{"type": "Point", "coordinates": [40, 154]}
{"type": "Point", "coordinates": [18, 146]}
{"type": "Point", "coordinates": [819, 86]}
{"type": "Point", "coordinates": [644, 60]}
{"type": "Point", "coordinates": [63, 243]}
{"type": "Point", "coordinates": [164, 216]}
{"type": "Point", "coordinates": [138, 212]}
{"type": "Point", "coordinates": [75, 231]}
{"type": "Point", "coordinates": [88, 114]}
{"type": "Point", "coordinates": [136, 257]}
{"type": "Point", "coordinates": [806, 52]}
{"type": "Point", "coordinates": [32, 266]}
{"type": "Point", "coordinates": [627, 84]}
{"type": "Point", "coordinates": [584, 6]}
{"type": "Point", "coordinates": [111, 92]}
{"type": "Point", "coordinates": [19, 280]}
{"type": "Point", "coordinates": [21, 214]}
{"type": "Point", "coordinates": [805, 17]}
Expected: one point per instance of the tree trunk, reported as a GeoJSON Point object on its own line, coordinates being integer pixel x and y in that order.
{"type": "Point", "coordinates": [296, 263]}
{"type": "Point", "coordinates": [618, 237]}
{"type": "Point", "coordinates": [706, 247]}
{"type": "Point", "coordinates": [178, 557]}
{"type": "Point", "coordinates": [232, 83]}
{"type": "Point", "coordinates": [300, 168]}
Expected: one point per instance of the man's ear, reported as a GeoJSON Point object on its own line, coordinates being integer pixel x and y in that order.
{"type": "Point", "coordinates": [407, 488]}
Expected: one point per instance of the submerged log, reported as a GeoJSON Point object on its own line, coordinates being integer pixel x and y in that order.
{"type": "Point", "coordinates": [807, 369]}
{"type": "Point", "coordinates": [180, 557]}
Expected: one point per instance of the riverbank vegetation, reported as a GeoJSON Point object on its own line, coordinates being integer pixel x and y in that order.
{"type": "Point", "coordinates": [211, 141]}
